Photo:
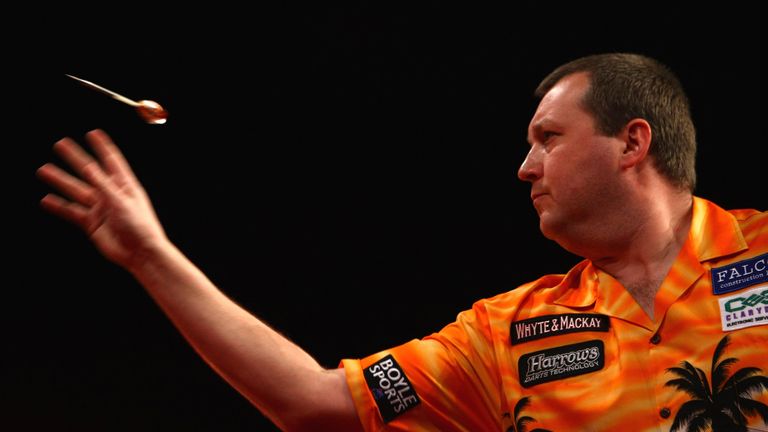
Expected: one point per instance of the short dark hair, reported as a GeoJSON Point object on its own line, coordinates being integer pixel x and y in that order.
{"type": "Point", "coordinates": [627, 86]}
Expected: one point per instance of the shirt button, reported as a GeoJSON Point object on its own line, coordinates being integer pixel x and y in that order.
{"type": "Point", "coordinates": [665, 412]}
{"type": "Point", "coordinates": [655, 339]}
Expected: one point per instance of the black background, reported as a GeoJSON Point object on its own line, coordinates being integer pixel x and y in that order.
{"type": "Point", "coordinates": [347, 173]}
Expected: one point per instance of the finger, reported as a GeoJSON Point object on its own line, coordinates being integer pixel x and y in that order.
{"type": "Point", "coordinates": [109, 154]}
{"type": "Point", "coordinates": [66, 210]}
{"type": "Point", "coordinates": [85, 165]}
{"type": "Point", "coordinates": [76, 157]}
{"type": "Point", "coordinates": [72, 187]}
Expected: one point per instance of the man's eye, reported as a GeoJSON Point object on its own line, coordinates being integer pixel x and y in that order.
{"type": "Point", "coordinates": [547, 135]}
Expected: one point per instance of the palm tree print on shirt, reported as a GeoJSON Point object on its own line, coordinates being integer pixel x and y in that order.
{"type": "Point", "coordinates": [522, 422]}
{"type": "Point", "coordinates": [723, 407]}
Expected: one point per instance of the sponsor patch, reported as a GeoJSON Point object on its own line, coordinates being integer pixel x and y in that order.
{"type": "Point", "coordinates": [560, 362]}
{"type": "Point", "coordinates": [390, 388]}
{"type": "Point", "coordinates": [745, 309]}
{"type": "Point", "coordinates": [740, 274]}
{"type": "Point", "coordinates": [552, 325]}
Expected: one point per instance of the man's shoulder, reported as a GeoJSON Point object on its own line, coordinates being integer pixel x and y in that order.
{"type": "Point", "coordinates": [750, 218]}
{"type": "Point", "coordinates": [547, 285]}
{"type": "Point", "coordinates": [753, 225]}
{"type": "Point", "coordinates": [749, 215]}
{"type": "Point", "coordinates": [744, 216]}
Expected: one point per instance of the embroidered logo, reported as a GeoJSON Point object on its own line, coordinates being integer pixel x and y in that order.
{"type": "Point", "coordinates": [390, 388]}
{"type": "Point", "coordinates": [552, 325]}
{"type": "Point", "coordinates": [745, 309]}
{"type": "Point", "coordinates": [560, 362]}
{"type": "Point", "coordinates": [740, 274]}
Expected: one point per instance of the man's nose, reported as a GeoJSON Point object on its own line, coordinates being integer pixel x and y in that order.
{"type": "Point", "coordinates": [530, 169]}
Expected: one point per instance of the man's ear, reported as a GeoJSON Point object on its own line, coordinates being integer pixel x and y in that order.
{"type": "Point", "coordinates": [637, 141]}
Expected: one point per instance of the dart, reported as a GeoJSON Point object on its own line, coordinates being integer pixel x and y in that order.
{"type": "Point", "coordinates": [150, 111]}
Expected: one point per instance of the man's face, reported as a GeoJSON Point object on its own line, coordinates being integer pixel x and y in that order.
{"type": "Point", "coordinates": [572, 168]}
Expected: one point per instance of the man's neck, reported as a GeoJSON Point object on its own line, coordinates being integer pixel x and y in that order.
{"type": "Point", "coordinates": [643, 263]}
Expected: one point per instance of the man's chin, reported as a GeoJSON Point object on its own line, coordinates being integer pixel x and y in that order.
{"type": "Point", "coordinates": [545, 229]}
{"type": "Point", "coordinates": [549, 227]}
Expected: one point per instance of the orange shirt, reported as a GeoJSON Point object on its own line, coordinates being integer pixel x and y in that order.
{"type": "Point", "coordinates": [575, 352]}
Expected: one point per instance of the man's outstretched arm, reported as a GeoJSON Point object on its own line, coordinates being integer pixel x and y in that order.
{"type": "Point", "coordinates": [107, 201]}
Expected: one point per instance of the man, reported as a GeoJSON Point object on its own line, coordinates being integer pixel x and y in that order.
{"type": "Point", "coordinates": [660, 328]}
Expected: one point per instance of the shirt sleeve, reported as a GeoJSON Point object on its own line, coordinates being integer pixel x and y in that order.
{"type": "Point", "coordinates": [448, 381]}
